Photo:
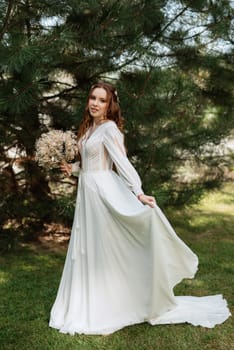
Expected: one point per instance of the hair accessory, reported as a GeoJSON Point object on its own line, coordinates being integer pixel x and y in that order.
{"type": "Point", "coordinates": [116, 94]}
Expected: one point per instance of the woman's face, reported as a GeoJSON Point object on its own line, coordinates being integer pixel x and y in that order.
{"type": "Point", "coordinates": [98, 103]}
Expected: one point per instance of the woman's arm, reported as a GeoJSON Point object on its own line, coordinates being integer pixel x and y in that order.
{"type": "Point", "coordinates": [113, 141]}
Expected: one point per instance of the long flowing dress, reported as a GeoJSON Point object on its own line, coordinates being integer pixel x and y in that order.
{"type": "Point", "coordinates": [123, 258]}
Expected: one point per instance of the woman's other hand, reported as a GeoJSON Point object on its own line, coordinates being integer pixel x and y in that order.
{"type": "Point", "coordinates": [66, 168]}
{"type": "Point", "coordinates": [149, 200]}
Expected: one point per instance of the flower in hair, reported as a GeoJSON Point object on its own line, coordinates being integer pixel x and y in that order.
{"type": "Point", "coordinates": [116, 94]}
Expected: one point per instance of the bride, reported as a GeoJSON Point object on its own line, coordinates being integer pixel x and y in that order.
{"type": "Point", "coordinates": [123, 258]}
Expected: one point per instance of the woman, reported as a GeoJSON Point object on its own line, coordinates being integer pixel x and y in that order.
{"type": "Point", "coordinates": [124, 258]}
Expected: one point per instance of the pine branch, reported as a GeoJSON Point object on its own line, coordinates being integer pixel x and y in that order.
{"type": "Point", "coordinates": [144, 84]}
{"type": "Point", "coordinates": [7, 18]}
{"type": "Point", "coordinates": [59, 94]}
{"type": "Point", "coordinates": [167, 25]}
{"type": "Point", "coordinates": [28, 23]}
{"type": "Point", "coordinates": [186, 37]}
{"type": "Point", "coordinates": [137, 56]}
{"type": "Point", "coordinates": [60, 83]}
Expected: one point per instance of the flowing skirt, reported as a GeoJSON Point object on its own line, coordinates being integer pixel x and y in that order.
{"type": "Point", "coordinates": [122, 263]}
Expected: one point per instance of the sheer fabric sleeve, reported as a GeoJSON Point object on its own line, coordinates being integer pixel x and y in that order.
{"type": "Point", "coordinates": [114, 143]}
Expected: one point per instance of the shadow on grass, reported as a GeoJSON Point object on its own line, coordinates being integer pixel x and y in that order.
{"type": "Point", "coordinates": [196, 224]}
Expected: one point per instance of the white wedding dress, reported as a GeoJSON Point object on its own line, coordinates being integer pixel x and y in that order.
{"type": "Point", "coordinates": [124, 258]}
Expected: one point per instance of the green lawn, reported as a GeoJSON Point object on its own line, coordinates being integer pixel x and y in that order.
{"type": "Point", "coordinates": [29, 279]}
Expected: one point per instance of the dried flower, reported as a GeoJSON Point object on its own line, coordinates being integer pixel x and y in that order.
{"type": "Point", "coordinates": [117, 96]}
{"type": "Point", "coordinates": [55, 146]}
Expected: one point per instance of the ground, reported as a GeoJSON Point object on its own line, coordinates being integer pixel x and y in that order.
{"type": "Point", "coordinates": [29, 277]}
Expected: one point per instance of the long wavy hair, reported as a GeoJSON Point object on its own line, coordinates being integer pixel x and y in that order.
{"type": "Point", "coordinates": [113, 109]}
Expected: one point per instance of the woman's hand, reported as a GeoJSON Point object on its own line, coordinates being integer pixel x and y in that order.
{"type": "Point", "coordinates": [149, 200]}
{"type": "Point", "coordinates": [66, 167]}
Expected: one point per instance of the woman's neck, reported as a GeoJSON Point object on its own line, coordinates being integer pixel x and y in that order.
{"type": "Point", "coordinates": [99, 121]}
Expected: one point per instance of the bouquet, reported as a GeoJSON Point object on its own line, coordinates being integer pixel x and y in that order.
{"type": "Point", "coordinates": [55, 146]}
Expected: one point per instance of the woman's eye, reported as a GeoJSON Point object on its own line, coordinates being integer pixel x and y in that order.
{"type": "Point", "coordinates": [94, 98]}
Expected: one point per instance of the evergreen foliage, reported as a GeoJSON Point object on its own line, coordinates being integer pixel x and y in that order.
{"type": "Point", "coordinates": [171, 61]}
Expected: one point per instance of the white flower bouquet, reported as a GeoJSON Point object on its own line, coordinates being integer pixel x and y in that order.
{"type": "Point", "coordinates": [54, 147]}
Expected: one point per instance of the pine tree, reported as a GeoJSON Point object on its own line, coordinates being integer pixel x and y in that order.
{"type": "Point", "coordinates": [172, 64]}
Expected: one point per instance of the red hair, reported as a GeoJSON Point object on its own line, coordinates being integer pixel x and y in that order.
{"type": "Point", "coordinates": [113, 108]}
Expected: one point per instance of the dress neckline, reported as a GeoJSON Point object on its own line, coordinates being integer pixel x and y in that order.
{"type": "Point", "coordinates": [99, 126]}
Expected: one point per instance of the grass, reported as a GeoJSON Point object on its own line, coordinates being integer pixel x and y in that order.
{"type": "Point", "coordinates": [29, 280]}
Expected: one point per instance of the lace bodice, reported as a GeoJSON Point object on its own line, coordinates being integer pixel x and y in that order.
{"type": "Point", "coordinates": [104, 147]}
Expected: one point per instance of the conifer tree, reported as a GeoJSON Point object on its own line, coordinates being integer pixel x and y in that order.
{"type": "Point", "coordinates": [172, 64]}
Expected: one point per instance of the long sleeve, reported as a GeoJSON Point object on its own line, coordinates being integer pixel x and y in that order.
{"type": "Point", "coordinates": [113, 141]}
